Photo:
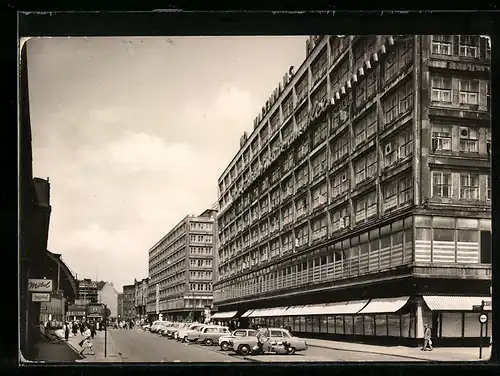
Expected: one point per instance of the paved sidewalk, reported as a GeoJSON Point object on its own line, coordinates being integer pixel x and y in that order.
{"type": "Point", "coordinates": [440, 354]}
{"type": "Point", "coordinates": [112, 355]}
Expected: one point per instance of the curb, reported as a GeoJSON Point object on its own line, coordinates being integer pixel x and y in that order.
{"type": "Point", "coordinates": [252, 360]}
{"type": "Point", "coordinates": [375, 353]}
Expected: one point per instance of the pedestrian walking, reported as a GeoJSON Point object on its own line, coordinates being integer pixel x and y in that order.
{"type": "Point", "coordinates": [427, 339]}
{"type": "Point", "coordinates": [93, 330]}
{"type": "Point", "coordinates": [86, 343]}
{"type": "Point", "coordinates": [66, 331]}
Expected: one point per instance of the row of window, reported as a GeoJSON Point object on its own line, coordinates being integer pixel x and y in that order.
{"type": "Point", "coordinates": [200, 239]}
{"type": "Point", "coordinates": [204, 226]}
{"type": "Point", "coordinates": [466, 185]}
{"type": "Point", "coordinates": [193, 251]}
{"type": "Point", "coordinates": [200, 275]}
{"type": "Point", "coordinates": [193, 262]}
{"type": "Point", "coordinates": [399, 56]}
{"type": "Point", "coordinates": [200, 286]}
{"type": "Point", "coordinates": [168, 255]}
{"type": "Point", "coordinates": [467, 139]}
{"type": "Point", "coordinates": [169, 238]}
{"type": "Point", "coordinates": [468, 91]}
{"type": "Point", "coordinates": [378, 241]}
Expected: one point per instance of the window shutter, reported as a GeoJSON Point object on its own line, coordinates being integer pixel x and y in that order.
{"type": "Point", "coordinates": [456, 41]}
{"type": "Point", "coordinates": [483, 91]}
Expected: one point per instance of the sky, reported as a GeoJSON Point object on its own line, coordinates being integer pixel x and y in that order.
{"type": "Point", "coordinates": [133, 134]}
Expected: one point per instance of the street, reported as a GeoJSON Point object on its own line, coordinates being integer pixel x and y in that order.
{"type": "Point", "coordinates": [137, 345]}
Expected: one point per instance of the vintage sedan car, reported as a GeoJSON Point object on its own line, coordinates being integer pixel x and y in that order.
{"type": "Point", "coordinates": [154, 326]}
{"type": "Point", "coordinates": [161, 325]}
{"type": "Point", "coordinates": [161, 330]}
{"type": "Point", "coordinates": [169, 331]}
{"type": "Point", "coordinates": [192, 335]}
{"type": "Point", "coordinates": [210, 334]}
{"type": "Point", "coordinates": [268, 337]}
{"type": "Point", "coordinates": [224, 340]}
{"type": "Point", "coordinates": [181, 335]}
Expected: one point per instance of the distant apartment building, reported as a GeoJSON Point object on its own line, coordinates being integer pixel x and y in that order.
{"type": "Point", "coordinates": [119, 305]}
{"type": "Point", "coordinates": [108, 295]}
{"type": "Point", "coordinates": [87, 290]}
{"type": "Point", "coordinates": [181, 270]}
{"type": "Point", "coordinates": [141, 296]}
{"type": "Point", "coordinates": [128, 302]}
{"type": "Point", "coordinates": [360, 205]}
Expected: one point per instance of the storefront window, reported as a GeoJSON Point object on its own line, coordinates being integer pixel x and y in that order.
{"type": "Point", "coordinates": [286, 321]}
{"type": "Point", "coordinates": [309, 324]}
{"type": "Point", "coordinates": [348, 324]}
{"type": "Point", "coordinates": [315, 324]}
{"type": "Point", "coordinates": [394, 325]}
{"type": "Point", "coordinates": [278, 322]}
{"type": "Point", "coordinates": [358, 325]}
{"type": "Point", "coordinates": [302, 323]}
{"type": "Point", "coordinates": [294, 324]}
{"type": "Point", "coordinates": [339, 324]}
{"type": "Point", "coordinates": [369, 325]}
{"type": "Point", "coordinates": [381, 325]}
{"type": "Point", "coordinates": [323, 324]}
{"type": "Point", "coordinates": [406, 326]}
{"type": "Point", "coordinates": [451, 324]}
{"type": "Point", "coordinates": [331, 324]}
{"type": "Point", "coordinates": [471, 325]}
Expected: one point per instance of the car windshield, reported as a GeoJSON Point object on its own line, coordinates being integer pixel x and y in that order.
{"type": "Point", "coordinates": [252, 332]}
{"type": "Point", "coordinates": [286, 333]}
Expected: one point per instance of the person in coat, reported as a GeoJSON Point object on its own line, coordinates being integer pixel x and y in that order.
{"type": "Point", "coordinates": [427, 338]}
{"type": "Point", "coordinates": [86, 343]}
{"type": "Point", "coordinates": [66, 331]}
{"type": "Point", "coordinates": [93, 330]}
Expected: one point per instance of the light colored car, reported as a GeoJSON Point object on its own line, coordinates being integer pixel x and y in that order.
{"type": "Point", "coordinates": [174, 329]}
{"type": "Point", "coordinates": [154, 326]}
{"type": "Point", "coordinates": [268, 337]}
{"type": "Point", "coordinates": [159, 326]}
{"type": "Point", "coordinates": [224, 340]}
{"type": "Point", "coordinates": [181, 335]}
{"type": "Point", "coordinates": [210, 334]}
{"type": "Point", "coordinates": [161, 329]}
{"type": "Point", "coordinates": [193, 334]}
{"type": "Point", "coordinates": [146, 327]}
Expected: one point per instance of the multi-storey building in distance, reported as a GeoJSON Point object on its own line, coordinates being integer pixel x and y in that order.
{"type": "Point", "coordinates": [88, 290]}
{"type": "Point", "coordinates": [181, 270]}
{"type": "Point", "coordinates": [359, 206]}
{"type": "Point", "coordinates": [129, 302]}
{"type": "Point", "coordinates": [141, 295]}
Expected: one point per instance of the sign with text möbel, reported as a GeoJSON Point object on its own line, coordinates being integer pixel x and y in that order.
{"type": "Point", "coordinates": [40, 285]}
{"type": "Point", "coordinates": [40, 297]}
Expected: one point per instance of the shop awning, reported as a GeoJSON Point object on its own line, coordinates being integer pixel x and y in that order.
{"type": "Point", "coordinates": [270, 312]}
{"type": "Point", "coordinates": [455, 303]}
{"type": "Point", "coordinates": [247, 313]}
{"type": "Point", "coordinates": [342, 308]}
{"type": "Point", "coordinates": [224, 315]}
{"type": "Point", "coordinates": [385, 305]}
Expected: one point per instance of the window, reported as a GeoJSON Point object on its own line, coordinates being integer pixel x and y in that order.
{"type": "Point", "coordinates": [320, 133]}
{"type": "Point", "coordinates": [318, 68]}
{"type": "Point", "coordinates": [441, 89]}
{"type": "Point", "coordinates": [391, 108]}
{"type": "Point", "coordinates": [319, 227]}
{"type": "Point", "coordinates": [339, 75]}
{"type": "Point", "coordinates": [287, 214]}
{"type": "Point", "coordinates": [391, 64]}
{"type": "Point", "coordinates": [406, 98]}
{"type": "Point", "coordinates": [301, 88]}
{"type": "Point", "coordinates": [469, 92]}
{"type": "Point", "coordinates": [319, 195]}
{"type": "Point", "coordinates": [366, 127]}
{"type": "Point", "coordinates": [469, 140]}
{"type": "Point", "coordinates": [441, 137]}
{"type": "Point", "coordinates": [287, 106]}
{"type": "Point", "coordinates": [441, 44]}
{"type": "Point", "coordinates": [336, 47]}
{"type": "Point", "coordinates": [340, 148]}
{"type": "Point", "coordinates": [319, 164]}
{"type": "Point", "coordinates": [405, 190]}
{"type": "Point", "coordinates": [469, 45]}
{"type": "Point", "coordinates": [301, 206]}
{"type": "Point", "coordinates": [405, 141]}
{"type": "Point", "coordinates": [366, 206]}
{"type": "Point", "coordinates": [340, 184]}
{"type": "Point", "coordinates": [441, 184]}
{"type": "Point", "coordinates": [469, 186]}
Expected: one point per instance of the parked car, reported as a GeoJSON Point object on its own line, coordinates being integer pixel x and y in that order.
{"type": "Point", "coordinates": [154, 326]}
{"type": "Point", "coordinates": [193, 334]}
{"type": "Point", "coordinates": [210, 334]}
{"type": "Point", "coordinates": [181, 335]}
{"type": "Point", "coordinates": [162, 328]}
{"type": "Point", "coordinates": [146, 327]}
{"type": "Point", "coordinates": [170, 331]}
{"type": "Point", "coordinates": [265, 340]}
{"type": "Point", "coordinates": [159, 326]}
{"type": "Point", "coordinates": [224, 340]}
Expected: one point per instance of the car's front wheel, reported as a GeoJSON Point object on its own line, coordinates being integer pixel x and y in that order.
{"type": "Point", "coordinates": [291, 350]}
{"type": "Point", "coordinates": [209, 342]}
{"type": "Point", "coordinates": [186, 339]}
{"type": "Point", "coordinates": [224, 346]}
{"type": "Point", "coordinates": [244, 349]}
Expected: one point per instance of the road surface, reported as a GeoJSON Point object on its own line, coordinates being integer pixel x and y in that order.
{"type": "Point", "coordinates": [137, 345]}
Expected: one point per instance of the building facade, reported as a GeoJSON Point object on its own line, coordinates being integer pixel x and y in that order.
{"type": "Point", "coordinates": [88, 290]}
{"type": "Point", "coordinates": [141, 295]}
{"type": "Point", "coordinates": [359, 206]}
{"type": "Point", "coordinates": [108, 295]}
{"type": "Point", "coordinates": [181, 270]}
{"type": "Point", "coordinates": [128, 302]}
{"type": "Point", "coordinates": [119, 305]}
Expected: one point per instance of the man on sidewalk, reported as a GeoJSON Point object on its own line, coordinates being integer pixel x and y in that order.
{"type": "Point", "coordinates": [427, 338]}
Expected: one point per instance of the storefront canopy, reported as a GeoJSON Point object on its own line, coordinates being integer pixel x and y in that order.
{"type": "Point", "coordinates": [455, 303]}
{"type": "Point", "coordinates": [247, 313]}
{"type": "Point", "coordinates": [270, 312]}
{"type": "Point", "coordinates": [385, 305]}
{"type": "Point", "coordinates": [224, 315]}
{"type": "Point", "coordinates": [342, 308]}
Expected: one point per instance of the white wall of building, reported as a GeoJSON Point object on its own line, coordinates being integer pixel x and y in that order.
{"type": "Point", "coordinates": [109, 296]}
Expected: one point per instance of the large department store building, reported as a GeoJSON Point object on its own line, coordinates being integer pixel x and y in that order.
{"type": "Point", "coordinates": [359, 206]}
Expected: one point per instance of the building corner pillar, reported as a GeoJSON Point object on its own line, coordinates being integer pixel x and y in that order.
{"type": "Point", "coordinates": [419, 318]}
